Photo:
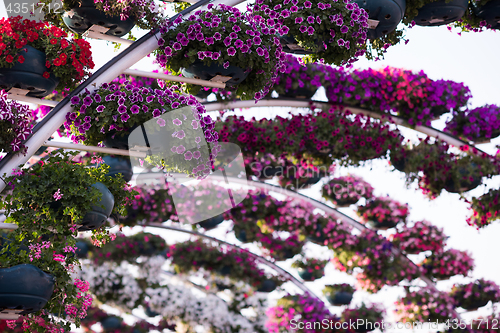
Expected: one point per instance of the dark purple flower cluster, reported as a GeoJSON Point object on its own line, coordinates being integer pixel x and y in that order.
{"type": "Point", "coordinates": [15, 124]}
{"type": "Point", "coordinates": [477, 124]}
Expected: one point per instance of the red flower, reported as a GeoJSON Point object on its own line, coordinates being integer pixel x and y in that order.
{"type": "Point", "coordinates": [64, 43]}
{"type": "Point", "coordinates": [57, 62]}
{"type": "Point", "coordinates": [46, 75]}
{"type": "Point", "coordinates": [53, 41]}
{"type": "Point", "coordinates": [9, 58]}
{"type": "Point", "coordinates": [20, 59]}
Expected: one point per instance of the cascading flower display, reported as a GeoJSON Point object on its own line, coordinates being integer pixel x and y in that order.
{"type": "Point", "coordinates": [223, 36]}
{"type": "Point", "coordinates": [412, 96]}
{"type": "Point", "coordinates": [424, 305]}
{"type": "Point", "coordinates": [347, 190]}
{"type": "Point", "coordinates": [322, 138]}
{"type": "Point", "coordinates": [332, 31]}
{"type": "Point", "coordinates": [116, 109]}
{"type": "Point", "coordinates": [421, 236]}
{"type": "Point", "coordinates": [475, 294]}
{"type": "Point", "coordinates": [364, 318]}
{"type": "Point", "coordinates": [15, 125]}
{"type": "Point", "coordinates": [478, 124]}
{"type": "Point", "coordinates": [68, 59]}
{"type": "Point", "coordinates": [443, 265]}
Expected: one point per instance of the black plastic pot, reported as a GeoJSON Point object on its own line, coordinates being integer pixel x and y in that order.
{"type": "Point", "coordinates": [339, 298]}
{"type": "Point", "coordinates": [283, 255]}
{"type": "Point", "coordinates": [463, 185]}
{"type": "Point", "coordinates": [388, 12]}
{"type": "Point", "coordinates": [80, 19]}
{"type": "Point", "coordinates": [267, 286]}
{"type": "Point", "coordinates": [241, 235]}
{"type": "Point", "coordinates": [211, 222]}
{"type": "Point", "coordinates": [118, 140]}
{"type": "Point", "coordinates": [119, 165]}
{"type": "Point", "coordinates": [306, 275]}
{"type": "Point", "coordinates": [199, 70]}
{"type": "Point", "coordinates": [82, 249]}
{"type": "Point", "coordinates": [474, 305]}
{"type": "Point", "coordinates": [29, 74]}
{"type": "Point", "coordinates": [25, 287]}
{"type": "Point", "coordinates": [302, 93]}
{"type": "Point", "coordinates": [320, 240]}
{"type": "Point", "coordinates": [381, 225]}
{"type": "Point", "coordinates": [399, 164]}
{"type": "Point", "coordinates": [100, 211]}
{"type": "Point", "coordinates": [441, 12]}
{"type": "Point", "coordinates": [490, 12]}
{"type": "Point", "coordinates": [150, 313]}
{"type": "Point", "coordinates": [110, 324]}
{"type": "Point", "coordinates": [225, 270]}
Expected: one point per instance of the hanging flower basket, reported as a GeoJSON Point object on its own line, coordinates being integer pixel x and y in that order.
{"type": "Point", "coordinates": [281, 248]}
{"type": "Point", "coordinates": [339, 294]}
{"type": "Point", "coordinates": [149, 205]}
{"type": "Point", "coordinates": [24, 64]}
{"type": "Point", "coordinates": [267, 286]}
{"type": "Point", "coordinates": [479, 125]}
{"type": "Point", "coordinates": [119, 165]}
{"type": "Point", "coordinates": [333, 31]}
{"type": "Point", "coordinates": [465, 179]}
{"type": "Point", "coordinates": [15, 125]}
{"type": "Point", "coordinates": [346, 191]}
{"type": "Point", "coordinates": [475, 294]}
{"type": "Point", "coordinates": [371, 315]}
{"type": "Point", "coordinates": [435, 13]}
{"type": "Point", "coordinates": [422, 236]}
{"type": "Point", "coordinates": [231, 44]}
{"type": "Point", "coordinates": [212, 222]}
{"type": "Point", "coordinates": [299, 80]}
{"type": "Point", "coordinates": [126, 112]}
{"type": "Point", "coordinates": [62, 197]}
{"type": "Point", "coordinates": [310, 269]}
{"type": "Point", "coordinates": [444, 265]}
{"type": "Point", "coordinates": [117, 17]}
{"type": "Point", "coordinates": [25, 288]}
{"type": "Point", "coordinates": [85, 14]}
{"type": "Point", "coordinates": [383, 213]}
{"type": "Point", "coordinates": [387, 14]}
{"type": "Point", "coordinates": [488, 11]}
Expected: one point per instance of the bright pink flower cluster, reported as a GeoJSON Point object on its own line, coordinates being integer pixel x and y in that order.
{"type": "Point", "coordinates": [446, 264]}
{"type": "Point", "coordinates": [422, 236]}
{"type": "Point", "coordinates": [382, 209]}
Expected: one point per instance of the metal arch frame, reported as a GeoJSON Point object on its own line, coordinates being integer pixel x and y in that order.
{"type": "Point", "coordinates": [258, 258]}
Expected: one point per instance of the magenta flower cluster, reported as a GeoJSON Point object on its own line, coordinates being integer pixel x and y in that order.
{"type": "Point", "coordinates": [223, 35]}
{"type": "Point", "coordinates": [413, 96]}
{"type": "Point", "coordinates": [443, 265]}
{"type": "Point", "coordinates": [15, 124]}
{"type": "Point", "coordinates": [478, 124]}
{"type": "Point", "coordinates": [422, 236]}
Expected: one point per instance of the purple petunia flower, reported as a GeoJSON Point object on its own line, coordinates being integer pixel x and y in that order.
{"type": "Point", "coordinates": [175, 105]}
{"type": "Point", "coordinates": [124, 117]}
{"type": "Point", "coordinates": [344, 29]}
{"type": "Point", "coordinates": [308, 4]}
{"type": "Point", "coordinates": [197, 154]}
{"type": "Point", "coordinates": [200, 36]}
{"type": "Point", "coordinates": [145, 108]}
{"type": "Point", "coordinates": [100, 108]}
{"type": "Point", "coordinates": [217, 36]}
{"type": "Point", "coordinates": [97, 98]}
{"type": "Point", "coordinates": [310, 19]}
{"type": "Point", "coordinates": [177, 46]}
{"type": "Point", "coordinates": [209, 40]}
{"type": "Point", "coordinates": [168, 51]}
{"type": "Point", "coordinates": [75, 100]}
{"type": "Point", "coordinates": [299, 20]}
{"type": "Point", "coordinates": [177, 122]}
{"type": "Point", "coordinates": [302, 28]}
{"type": "Point", "coordinates": [161, 41]}
{"type": "Point", "coordinates": [156, 113]}
{"type": "Point", "coordinates": [180, 135]}
{"type": "Point", "coordinates": [233, 35]}
{"type": "Point", "coordinates": [87, 101]}
{"type": "Point", "coordinates": [257, 40]}
{"type": "Point", "coordinates": [122, 109]}
{"type": "Point", "coordinates": [245, 49]}
{"type": "Point", "coordinates": [238, 43]}
{"type": "Point", "coordinates": [231, 51]}
{"type": "Point", "coordinates": [134, 109]}
{"type": "Point", "coordinates": [173, 149]}
{"type": "Point", "coordinates": [150, 98]}
{"type": "Point", "coordinates": [260, 51]}
{"type": "Point", "coordinates": [236, 28]}
{"type": "Point", "coordinates": [195, 124]}
{"type": "Point", "coordinates": [227, 41]}
{"type": "Point", "coordinates": [197, 139]}
{"type": "Point", "coordinates": [340, 42]}
{"type": "Point", "coordinates": [188, 156]}
{"type": "Point", "coordinates": [215, 55]}
{"type": "Point", "coordinates": [226, 65]}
